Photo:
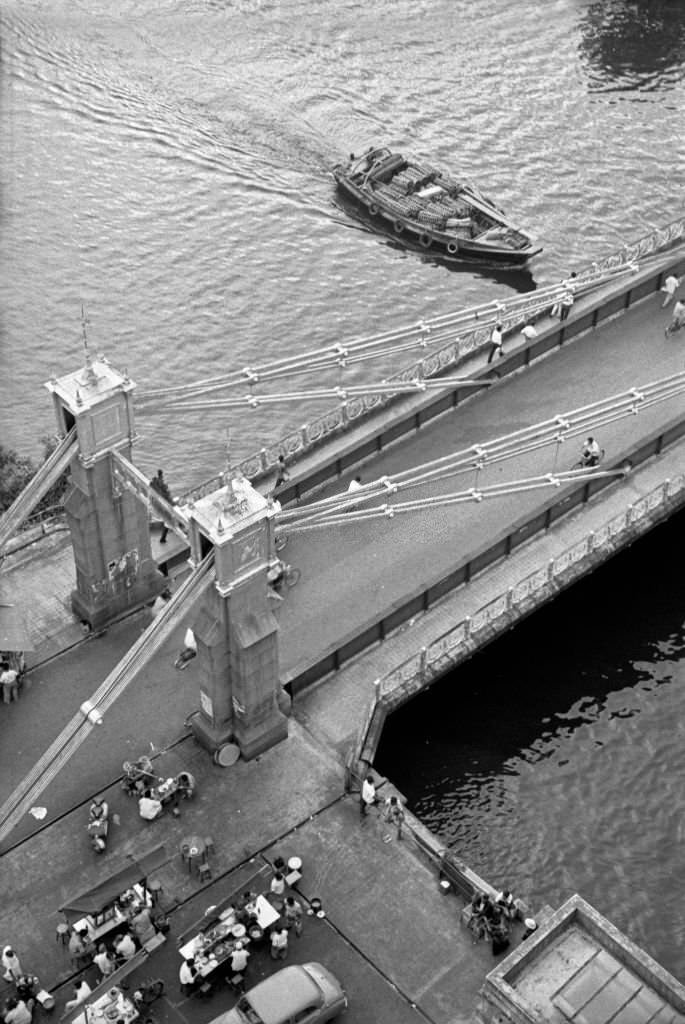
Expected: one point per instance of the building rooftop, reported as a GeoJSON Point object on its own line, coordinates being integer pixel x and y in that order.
{"type": "Point", "coordinates": [579, 968]}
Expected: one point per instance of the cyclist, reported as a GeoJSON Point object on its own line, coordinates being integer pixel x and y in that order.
{"type": "Point", "coordinates": [591, 453]}
{"type": "Point", "coordinates": [678, 319]}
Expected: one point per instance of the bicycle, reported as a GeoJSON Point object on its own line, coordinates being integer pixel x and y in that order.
{"type": "Point", "coordinates": [283, 573]}
{"type": "Point", "coordinates": [673, 328]}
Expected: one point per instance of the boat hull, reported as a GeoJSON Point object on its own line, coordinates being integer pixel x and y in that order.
{"type": "Point", "coordinates": [494, 244]}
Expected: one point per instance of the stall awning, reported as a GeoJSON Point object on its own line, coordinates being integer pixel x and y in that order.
{"type": "Point", "coordinates": [101, 896]}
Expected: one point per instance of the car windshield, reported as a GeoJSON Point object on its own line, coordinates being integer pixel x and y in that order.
{"type": "Point", "coordinates": [248, 1012]}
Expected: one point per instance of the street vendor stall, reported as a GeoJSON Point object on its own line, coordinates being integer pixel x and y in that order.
{"type": "Point", "coordinates": [108, 1003]}
{"type": "Point", "coordinates": [110, 905]}
{"type": "Point", "coordinates": [212, 940]}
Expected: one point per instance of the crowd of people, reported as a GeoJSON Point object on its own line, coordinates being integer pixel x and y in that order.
{"type": "Point", "coordinates": [491, 917]}
{"type": "Point", "coordinates": [289, 922]}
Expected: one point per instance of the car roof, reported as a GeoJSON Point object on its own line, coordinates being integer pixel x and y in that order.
{"type": "Point", "coordinates": [284, 994]}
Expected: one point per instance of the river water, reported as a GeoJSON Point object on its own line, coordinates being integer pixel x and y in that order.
{"type": "Point", "coordinates": [554, 762]}
{"type": "Point", "coordinates": [167, 165]}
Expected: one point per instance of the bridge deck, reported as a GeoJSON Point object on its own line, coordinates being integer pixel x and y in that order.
{"type": "Point", "coordinates": [353, 573]}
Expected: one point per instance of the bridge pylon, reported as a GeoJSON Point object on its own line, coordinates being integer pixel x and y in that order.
{"type": "Point", "coordinates": [236, 632]}
{"type": "Point", "coordinates": [110, 533]}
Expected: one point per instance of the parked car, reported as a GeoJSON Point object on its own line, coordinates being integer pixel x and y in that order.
{"type": "Point", "coordinates": [299, 994]}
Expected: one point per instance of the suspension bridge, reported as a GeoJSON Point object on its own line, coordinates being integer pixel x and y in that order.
{"type": "Point", "coordinates": [469, 461]}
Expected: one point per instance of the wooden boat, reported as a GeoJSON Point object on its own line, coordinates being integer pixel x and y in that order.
{"type": "Point", "coordinates": [427, 207]}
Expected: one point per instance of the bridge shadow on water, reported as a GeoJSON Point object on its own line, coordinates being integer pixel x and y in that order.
{"type": "Point", "coordinates": [552, 674]}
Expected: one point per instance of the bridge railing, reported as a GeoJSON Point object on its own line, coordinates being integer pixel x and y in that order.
{"type": "Point", "coordinates": [426, 664]}
{"type": "Point", "coordinates": [458, 344]}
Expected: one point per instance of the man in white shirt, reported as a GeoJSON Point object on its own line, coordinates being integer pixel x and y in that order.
{"type": "Point", "coordinates": [239, 958]}
{"type": "Point", "coordinates": [355, 485]}
{"type": "Point", "coordinates": [17, 1012]}
{"type": "Point", "coordinates": [104, 962]}
{"type": "Point", "coordinates": [528, 331]}
{"type": "Point", "coordinates": [368, 795]}
{"type": "Point", "coordinates": [81, 992]}
{"type": "Point", "coordinates": [188, 975]}
{"type": "Point", "coordinates": [279, 943]}
{"type": "Point", "coordinates": [669, 287]}
{"type": "Point", "coordinates": [591, 452]}
{"type": "Point", "coordinates": [148, 807]}
{"type": "Point", "coordinates": [125, 947]}
{"type": "Point", "coordinates": [496, 342]}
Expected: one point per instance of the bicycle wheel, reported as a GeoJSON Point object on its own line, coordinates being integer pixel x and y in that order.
{"type": "Point", "coordinates": [292, 575]}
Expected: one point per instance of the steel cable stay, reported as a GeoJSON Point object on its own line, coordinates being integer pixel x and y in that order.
{"type": "Point", "coordinates": [387, 511]}
{"type": "Point", "coordinates": [555, 431]}
{"type": "Point", "coordinates": [90, 713]}
{"type": "Point", "coordinates": [342, 393]}
{"type": "Point", "coordinates": [434, 330]}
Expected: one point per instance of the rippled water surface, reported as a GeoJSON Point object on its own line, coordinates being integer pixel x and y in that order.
{"type": "Point", "coordinates": [167, 164]}
{"type": "Point", "coordinates": [554, 762]}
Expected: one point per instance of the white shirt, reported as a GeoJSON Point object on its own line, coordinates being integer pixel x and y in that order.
{"type": "Point", "coordinates": [279, 940]}
{"type": "Point", "coordinates": [239, 960]}
{"type": "Point", "coordinates": [84, 990]}
{"type": "Point", "coordinates": [670, 284]}
{"type": "Point", "coordinates": [592, 448]}
{"type": "Point", "coordinates": [277, 886]}
{"type": "Point", "coordinates": [187, 974]}
{"type": "Point", "coordinates": [529, 332]}
{"type": "Point", "coordinates": [189, 640]}
{"type": "Point", "coordinates": [354, 486]}
{"type": "Point", "coordinates": [126, 947]}
{"type": "Point", "coordinates": [496, 337]}
{"type": "Point", "coordinates": [149, 808]}
{"type": "Point", "coordinates": [368, 792]}
{"type": "Point", "coordinates": [567, 299]}
{"type": "Point", "coordinates": [679, 309]}
{"type": "Point", "coordinates": [103, 963]}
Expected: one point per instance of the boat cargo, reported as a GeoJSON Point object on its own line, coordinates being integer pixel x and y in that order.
{"type": "Point", "coordinates": [426, 207]}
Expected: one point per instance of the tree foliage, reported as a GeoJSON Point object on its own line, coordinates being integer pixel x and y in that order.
{"type": "Point", "coordinates": [17, 470]}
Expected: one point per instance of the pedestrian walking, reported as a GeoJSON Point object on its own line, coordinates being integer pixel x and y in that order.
{"type": "Point", "coordinates": [496, 343]}
{"type": "Point", "coordinates": [677, 321]}
{"type": "Point", "coordinates": [669, 288]}
{"type": "Point", "coordinates": [368, 796]}
{"type": "Point", "coordinates": [292, 911]}
{"type": "Point", "coordinates": [282, 473]}
{"type": "Point", "coordinates": [279, 942]}
{"type": "Point", "coordinates": [9, 682]}
{"type": "Point", "coordinates": [394, 814]}
{"type": "Point", "coordinates": [10, 961]}
{"type": "Point", "coordinates": [565, 305]}
{"type": "Point", "coordinates": [159, 485]}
